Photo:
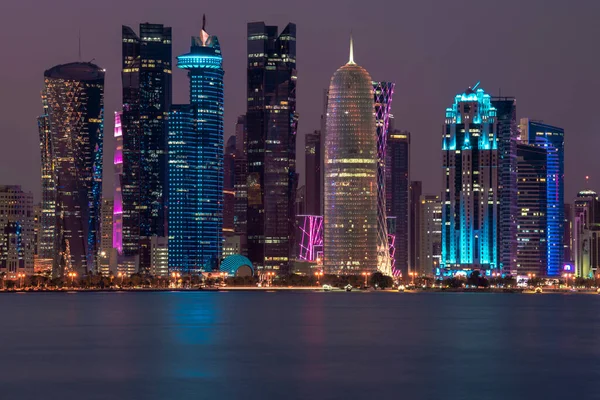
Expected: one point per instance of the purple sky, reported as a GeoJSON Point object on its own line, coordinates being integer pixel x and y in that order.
{"type": "Point", "coordinates": [543, 52]}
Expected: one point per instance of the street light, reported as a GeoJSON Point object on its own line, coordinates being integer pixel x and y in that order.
{"type": "Point", "coordinates": [176, 276]}
{"type": "Point", "coordinates": [318, 274]}
{"type": "Point", "coordinates": [21, 276]}
{"type": "Point", "coordinates": [72, 276]}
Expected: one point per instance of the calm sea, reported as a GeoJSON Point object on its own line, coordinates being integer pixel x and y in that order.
{"type": "Point", "coordinates": [240, 345]}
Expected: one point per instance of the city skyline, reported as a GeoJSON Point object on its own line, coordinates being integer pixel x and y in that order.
{"type": "Point", "coordinates": [412, 69]}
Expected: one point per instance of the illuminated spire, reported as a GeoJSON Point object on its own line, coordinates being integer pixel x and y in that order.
{"type": "Point", "coordinates": [203, 34]}
{"type": "Point", "coordinates": [351, 60]}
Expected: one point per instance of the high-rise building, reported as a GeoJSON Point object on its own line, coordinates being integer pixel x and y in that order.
{"type": "Point", "coordinates": [414, 226]}
{"type": "Point", "coordinates": [551, 138]}
{"type": "Point", "coordinates": [73, 128]}
{"type": "Point", "coordinates": [195, 212]}
{"type": "Point", "coordinates": [313, 175]}
{"type": "Point", "coordinates": [229, 187]}
{"type": "Point", "coordinates": [430, 235]}
{"type": "Point", "coordinates": [47, 232]}
{"type": "Point", "coordinates": [508, 135]}
{"type": "Point", "coordinates": [586, 234]}
{"type": "Point", "coordinates": [532, 247]}
{"type": "Point", "coordinates": [568, 234]}
{"type": "Point", "coordinates": [16, 232]}
{"type": "Point", "coordinates": [382, 99]}
{"type": "Point", "coordinates": [397, 195]}
{"type": "Point", "coordinates": [350, 217]}
{"type": "Point", "coordinates": [271, 123]}
{"type": "Point", "coordinates": [107, 211]}
{"type": "Point", "coordinates": [146, 77]}
{"type": "Point", "coordinates": [241, 185]}
{"type": "Point", "coordinates": [470, 197]}
{"type": "Point", "coordinates": [159, 256]}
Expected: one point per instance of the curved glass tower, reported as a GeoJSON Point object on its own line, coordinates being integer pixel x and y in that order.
{"type": "Point", "coordinates": [73, 99]}
{"type": "Point", "coordinates": [350, 215]}
{"type": "Point", "coordinates": [195, 213]}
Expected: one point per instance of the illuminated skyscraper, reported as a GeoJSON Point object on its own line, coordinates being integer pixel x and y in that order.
{"type": "Point", "coordinates": [241, 185]}
{"type": "Point", "coordinates": [382, 97]}
{"type": "Point", "coordinates": [470, 197]}
{"type": "Point", "coordinates": [313, 175]}
{"type": "Point", "coordinates": [195, 215]}
{"type": "Point", "coordinates": [431, 234]}
{"type": "Point", "coordinates": [351, 160]}
{"type": "Point", "coordinates": [229, 187]}
{"type": "Point", "coordinates": [508, 135]}
{"type": "Point", "coordinates": [414, 226]}
{"type": "Point", "coordinates": [146, 76]}
{"type": "Point", "coordinates": [73, 99]}
{"type": "Point", "coordinates": [586, 234]}
{"type": "Point", "coordinates": [551, 138]}
{"type": "Point", "coordinates": [271, 122]}
{"type": "Point", "coordinates": [397, 195]}
{"type": "Point", "coordinates": [532, 225]}
{"type": "Point", "coordinates": [48, 206]}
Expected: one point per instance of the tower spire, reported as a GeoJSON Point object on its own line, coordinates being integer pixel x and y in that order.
{"type": "Point", "coordinates": [351, 59]}
{"type": "Point", "coordinates": [203, 22]}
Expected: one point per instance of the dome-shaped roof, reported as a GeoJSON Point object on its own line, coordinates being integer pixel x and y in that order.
{"type": "Point", "coordinates": [233, 263]}
{"type": "Point", "coordinates": [76, 71]}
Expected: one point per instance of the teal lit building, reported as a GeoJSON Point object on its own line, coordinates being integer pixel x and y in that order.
{"type": "Point", "coordinates": [470, 203]}
{"type": "Point", "coordinates": [195, 142]}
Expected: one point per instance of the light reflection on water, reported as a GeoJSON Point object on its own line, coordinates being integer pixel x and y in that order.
{"type": "Point", "coordinates": [198, 345]}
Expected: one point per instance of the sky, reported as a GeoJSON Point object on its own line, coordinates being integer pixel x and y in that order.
{"type": "Point", "coordinates": [543, 52]}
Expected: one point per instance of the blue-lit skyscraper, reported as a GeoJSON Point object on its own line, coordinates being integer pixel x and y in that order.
{"type": "Point", "coordinates": [550, 138]}
{"type": "Point", "coordinates": [195, 142]}
{"type": "Point", "coordinates": [470, 198]}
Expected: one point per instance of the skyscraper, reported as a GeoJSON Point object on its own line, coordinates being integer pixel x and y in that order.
{"type": "Point", "coordinates": [73, 120]}
{"type": "Point", "coordinates": [350, 217]}
{"type": "Point", "coordinates": [431, 234]}
{"type": "Point", "coordinates": [470, 197]}
{"type": "Point", "coordinates": [508, 135]}
{"type": "Point", "coordinates": [382, 98]}
{"type": "Point", "coordinates": [551, 138]}
{"type": "Point", "coordinates": [414, 226]}
{"type": "Point", "coordinates": [568, 234]}
{"type": "Point", "coordinates": [397, 194]}
{"type": "Point", "coordinates": [532, 245]}
{"type": "Point", "coordinates": [313, 159]}
{"type": "Point", "coordinates": [17, 239]}
{"type": "Point", "coordinates": [586, 233]}
{"type": "Point", "coordinates": [146, 77]}
{"type": "Point", "coordinates": [271, 123]}
{"type": "Point", "coordinates": [195, 215]}
{"type": "Point", "coordinates": [47, 232]}
{"type": "Point", "coordinates": [229, 187]}
{"type": "Point", "coordinates": [241, 185]}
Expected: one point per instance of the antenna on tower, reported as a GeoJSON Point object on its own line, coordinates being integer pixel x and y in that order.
{"type": "Point", "coordinates": [477, 84]}
{"type": "Point", "coordinates": [351, 59]}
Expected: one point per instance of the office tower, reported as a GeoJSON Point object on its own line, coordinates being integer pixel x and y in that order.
{"type": "Point", "coordinates": [586, 234]}
{"type": "Point", "coordinates": [430, 235]}
{"type": "Point", "coordinates": [350, 217]}
{"type": "Point", "coordinates": [568, 234]}
{"type": "Point", "coordinates": [508, 135]}
{"type": "Point", "coordinates": [551, 138]}
{"type": "Point", "coordinates": [17, 239]}
{"type": "Point", "coordinates": [48, 214]}
{"type": "Point", "coordinates": [240, 184]}
{"type": "Point", "coordinates": [532, 247]}
{"type": "Point", "coordinates": [159, 256]}
{"type": "Point", "coordinates": [146, 78]}
{"type": "Point", "coordinates": [470, 197]}
{"type": "Point", "coordinates": [414, 226]}
{"type": "Point", "coordinates": [229, 187]}
{"type": "Point", "coordinates": [313, 157]}
{"type": "Point", "coordinates": [196, 161]}
{"type": "Point", "coordinates": [107, 211]}
{"type": "Point", "coordinates": [382, 99]}
{"type": "Point", "coordinates": [271, 122]}
{"type": "Point", "coordinates": [397, 194]}
{"type": "Point", "coordinates": [73, 120]}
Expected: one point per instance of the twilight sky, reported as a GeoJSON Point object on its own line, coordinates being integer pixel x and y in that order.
{"type": "Point", "coordinates": [543, 52]}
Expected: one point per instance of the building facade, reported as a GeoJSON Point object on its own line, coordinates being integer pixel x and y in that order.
{"type": "Point", "coordinates": [195, 212]}
{"type": "Point", "coordinates": [17, 239]}
{"type": "Point", "coordinates": [229, 187]}
{"type": "Point", "coordinates": [532, 245]}
{"type": "Point", "coordinates": [414, 226]}
{"type": "Point", "coordinates": [271, 125]}
{"type": "Point", "coordinates": [146, 77]}
{"type": "Point", "coordinates": [470, 175]}
{"type": "Point", "coordinates": [431, 235]}
{"type": "Point", "coordinates": [73, 120]}
{"type": "Point", "coordinates": [313, 158]}
{"type": "Point", "coordinates": [551, 138]}
{"type": "Point", "coordinates": [397, 195]}
{"type": "Point", "coordinates": [586, 234]}
{"type": "Point", "coordinates": [241, 185]}
{"type": "Point", "coordinates": [351, 160]}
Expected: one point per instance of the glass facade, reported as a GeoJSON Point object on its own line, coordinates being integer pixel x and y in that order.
{"type": "Point", "coordinates": [431, 234]}
{"type": "Point", "coordinates": [73, 100]}
{"type": "Point", "coordinates": [551, 138]}
{"type": "Point", "coordinates": [146, 77]}
{"type": "Point", "coordinates": [470, 175]}
{"type": "Point", "coordinates": [382, 97]}
{"type": "Point", "coordinates": [240, 217]}
{"type": "Point", "coordinates": [351, 162]}
{"type": "Point", "coordinates": [17, 236]}
{"type": "Point", "coordinates": [313, 159]}
{"type": "Point", "coordinates": [46, 249]}
{"type": "Point", "coordinates": [195, 132]}
{"type": "Point", "coordinates": [271, 123]}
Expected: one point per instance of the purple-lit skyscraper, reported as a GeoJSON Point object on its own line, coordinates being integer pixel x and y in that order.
{"type": "Point", "coordinates": [117, 235]}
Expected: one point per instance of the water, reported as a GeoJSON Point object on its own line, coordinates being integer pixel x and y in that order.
{"type": "Point", "coordinates": [241, 345]}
